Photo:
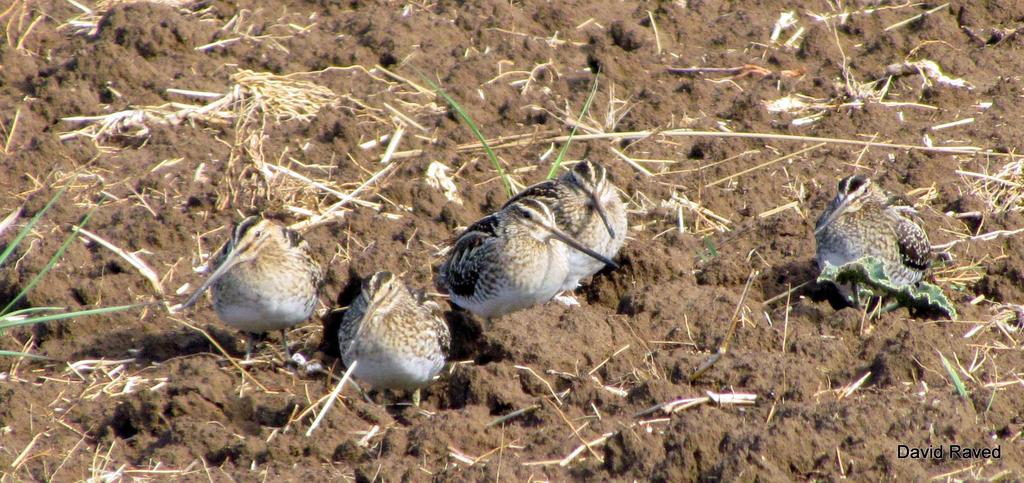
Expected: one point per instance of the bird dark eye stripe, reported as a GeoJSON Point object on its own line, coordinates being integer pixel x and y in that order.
{"type": "Point", "coordinates": [244, 226]}
{"type": "Point", "coordinates": [534, 207]}
{"type": "Point", "coordinates": [379, 280]}
{"type": "Point", "coordinates": [592, 173]}
{"type": "Point", "coordinates": [854, 183]}
{"type": "Point", "coordinates": [293, 237]}
{"type": "Point", "coordinates": [844, 185]}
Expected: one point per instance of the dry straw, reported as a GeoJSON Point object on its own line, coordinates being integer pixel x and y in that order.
{"type": "Point", "coordinates": [87, 22]}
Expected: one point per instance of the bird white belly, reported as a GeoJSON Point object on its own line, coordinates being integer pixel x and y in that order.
{"type": "Point", "coordinates": [581, 266]}
{"type": "Point", "coordinates": [265, 314]}
{"type": "Point", "coordinates": [396, 371]}
{"type": "Point", "coordinates": [836, 258]}
{"type": "Point", "coordinates": [508, 301]}
{"type": "Point", "coordinates": [836, 250]}
{"type": "Point", "coordinates": [523, 286]}
{"type": "Point", "coordinates": [595, 236]}
{"type": "Point", "coordinates": [898, 275]}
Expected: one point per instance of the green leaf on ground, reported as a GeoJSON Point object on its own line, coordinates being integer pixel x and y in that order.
{"type": "Point", "coordinates": [869, 274]}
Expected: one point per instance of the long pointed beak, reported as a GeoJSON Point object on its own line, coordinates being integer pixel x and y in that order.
{"type": "Point", "coordinates": [603, 214]}
{"type": "Point", "coordinates": [217, 274]}
{"type": "Point", "coordinates": [568, 240]}
{"type": "Point", "coordinates": [373, 306]}
{"type": "Point", "coordinates": [832, 217]}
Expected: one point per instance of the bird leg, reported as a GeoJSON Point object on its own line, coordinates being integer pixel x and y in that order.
{"type": "Point", "coordinates": [250, 341]}
{"type": "Point", "coordinates": [566, 299]}
{"type": "Point", "coordinates": [284, 341]}
{"type": "Point", "coordinates": [882, 309]}
{"type": "Point", "coordinates": [366, 397]}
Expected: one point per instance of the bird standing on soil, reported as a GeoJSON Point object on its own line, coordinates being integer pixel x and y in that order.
{"type": "Point", "coordinates": [510, 260]}
{"type": "Point", "coordinates": [264, 279]}
{"type": "Point", "coordinates": [398, 340]}
{"type": "Point", "coordinates": [587, 207]}
{"type": "Point", "coordinates": [863, 220]}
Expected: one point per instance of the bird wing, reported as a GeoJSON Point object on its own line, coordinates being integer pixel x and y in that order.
{"type": "Point", "coordinates": [914, 246]}
{"type": "Point", "coordinates": [545, 190]}
{"type": "Point", "coordinates": [351, 324]}
{"type": "Point", "coordinates": [444, 338]}
{"type": "Point", "coordinates": [461, 272]}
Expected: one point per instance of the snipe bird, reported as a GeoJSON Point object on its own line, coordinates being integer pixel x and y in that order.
{"type": "Point", "coordinates": [510, 260]}
{"type": "Point", "coordinates": [863, 220]}
{"type": "Point", "coordinates": [397, 338]}
{"type": "Point", "coordinates": [587, 207]}
{"type": "Point", "coordinates": [263, 279]}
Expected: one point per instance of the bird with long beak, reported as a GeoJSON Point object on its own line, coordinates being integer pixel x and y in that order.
{"type": "Point", "coordinates": [264, 279]}
{"type": "Point", "coordinates": [394, 340]}
{"type": "Point", "coordinates": [864, 220]}
{"type": "Point", "coordinates": [510, 260]}
{"type": "Point", "coordinates": [587, 207]}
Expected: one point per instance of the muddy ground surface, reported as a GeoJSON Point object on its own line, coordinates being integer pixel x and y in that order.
{"type": "Point", "coordinates": [148, 394]}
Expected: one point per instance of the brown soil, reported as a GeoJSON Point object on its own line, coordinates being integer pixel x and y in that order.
{"type": "Point", "coordinates": [166, 403]}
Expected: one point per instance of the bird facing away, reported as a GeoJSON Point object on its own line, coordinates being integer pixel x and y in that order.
{"type": "Point", "coordinates": [863, 220]}
{"type": "Point", "coordinates": [398, 339]}
{"type": "Point", "coordinates": [264, 279]}
{"type": "Point", "coordinates": [587, 207]}
{"type": "Point", "coordinates": [510, 260]}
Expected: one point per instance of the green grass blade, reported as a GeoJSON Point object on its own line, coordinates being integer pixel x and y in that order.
{"type": "Point", "coordinates": [53, 261]}
{"type": "Point", "coordinates": [29, 310]}
{"type": "Point", "coordinates": [23, 354]}
{"type": "Point", "coordinates": [709, 244]}
{"type": "Point", "coordinates": [7, 323]}
{"type": "Point", "coordinates": [565, 147]}
{"type": "Point", "coordinates": [959, 384]}
{"type": "Point", "coordinates": [991, 399]}
{"type": "Point", "coordinates": [476, 132]}
{"type": "Point", "coordinates": [28, 228]}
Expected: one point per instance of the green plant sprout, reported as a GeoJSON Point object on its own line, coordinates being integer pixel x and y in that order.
{"type": "Point", "coordinates": [28, 316]}
{"type": "Point", "coordinates": [476, 132]}
{"type": "Point", "coordinates": [495, 162]}
{"type": "Point", "coordinates": [957, 382]}
{"type": "Point", "coordinates": [565, 147]}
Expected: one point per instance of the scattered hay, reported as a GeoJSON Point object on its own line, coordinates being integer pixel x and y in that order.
{"type": "Point", "coordinates": [19, 26]}
{"type": "Point", "coordinates": [674, 406]}
{"type": "Point", "coordinates": [253, 99]}
{"type": "Point", "coordinates": [87, 22]}
{"type": "Point", "coordinates": [929, 71]}
{"type": "Point", "coordinates": [242, 28]}
{"type": "Point", "coordinates": [131, 123]}
{"type": "Point", "coordinates": [1001, 190]}
{"type": "Point", "coordinates": [961, 276]}
{"type": "Point", "coordinates": [254, 102]}
{"type": "Point", "coordinates": [703, 220]}
{"type": "Point", "coordinates": [259, 97]}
